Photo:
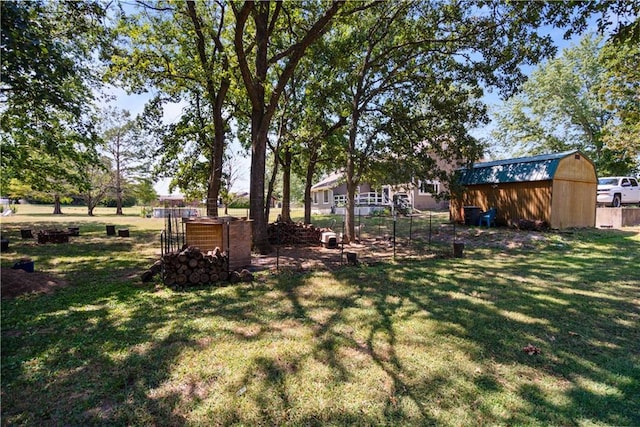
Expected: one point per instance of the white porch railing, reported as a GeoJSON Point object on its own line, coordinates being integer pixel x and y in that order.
{"type": "Point", "coordinates": [362, 199]}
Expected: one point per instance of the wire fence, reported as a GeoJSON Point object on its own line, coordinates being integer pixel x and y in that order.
{"type": "Point", "coordinates": [377, 238]}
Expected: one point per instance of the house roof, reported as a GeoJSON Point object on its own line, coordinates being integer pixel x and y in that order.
{"type": "Point", "coordinates": [523, 169]}
{"type": "Point", "coordinates": [329, 182]}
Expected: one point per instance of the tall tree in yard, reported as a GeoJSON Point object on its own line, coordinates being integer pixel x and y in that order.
{"type": "Point", "coordinates": [313, 126]}
{"type": "Point", "coordinates": [270, 39]}
{"type": "Point", "coordinates": [179, 49]}
{"type": "Point", "coordinates": [123, 145]}
{"type": "Point", "coordinates": [620, 95]}
{"type": "Point", "coordinates": [99, 178]}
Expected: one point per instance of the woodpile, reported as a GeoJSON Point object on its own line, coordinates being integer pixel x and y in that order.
{"type": "Point", "coordinates": [192, 267]}
{"type": "Point", "coordinates": [53, 236]}
{"type": "Point", "coordinates": [287, 233]}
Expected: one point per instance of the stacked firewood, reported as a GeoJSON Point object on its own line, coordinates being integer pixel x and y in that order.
{"type": "Point", "coordinates": [283, 232]}
{"type": "Point", "coordinates": [192, 267]}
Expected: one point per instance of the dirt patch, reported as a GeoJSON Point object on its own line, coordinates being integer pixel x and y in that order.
{"type": "Point", "coordinates": [19, 282]}
{"type": "Point", "coordinates": [373, 249]}
{"type": "Point", "coordinates": [304, 257]}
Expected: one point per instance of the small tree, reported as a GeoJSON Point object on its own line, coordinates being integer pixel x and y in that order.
{"type": "Point", "coordinates": [100, 181]}
{"type": "Point", "coordinates": [230, 173]}
{"type": "Point", "coordinates": [144, 192]}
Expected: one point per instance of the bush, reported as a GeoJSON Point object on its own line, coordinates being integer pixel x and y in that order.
{"type": "Point", "coordinates": [127, 202]}
{"type": "Point", "coordinates": [240, 204]}
{"type": "Point", "coordinates": [146, 212]}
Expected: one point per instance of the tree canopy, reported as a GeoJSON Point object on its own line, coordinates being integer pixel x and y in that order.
{"type": "Point", "coordinates": [46, 93]}
{"type": "Point", "coordinates": [584, 99]}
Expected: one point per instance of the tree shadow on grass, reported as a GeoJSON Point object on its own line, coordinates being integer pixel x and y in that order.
{"type": "Point", "coordinates": [578, 311]}
{"type": "Point", "coordinates": [361, 339]}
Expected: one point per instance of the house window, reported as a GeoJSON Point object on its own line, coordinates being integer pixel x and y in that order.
{"type": "Point", "coordinates": [428, 187]}
{"type": "Point", "coordinates": [326, 196]}
{"type": "Point", "coordinates": [315, 197]}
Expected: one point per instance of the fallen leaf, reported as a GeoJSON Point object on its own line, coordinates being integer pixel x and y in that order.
{"type": "Point", "coordinates": [531, 349]}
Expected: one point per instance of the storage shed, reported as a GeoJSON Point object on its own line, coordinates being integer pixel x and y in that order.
{"type": "Point", "coordinates": [559, 189]}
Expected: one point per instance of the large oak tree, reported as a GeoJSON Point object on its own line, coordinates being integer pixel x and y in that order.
{"type": "Point", "coordinates": [48, 76]}
{"type": "Point", "coordinates": [270, 40]}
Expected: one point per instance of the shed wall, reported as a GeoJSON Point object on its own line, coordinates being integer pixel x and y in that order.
{"type": "Point", "coordinates": [574, 193]}
{"type": "Point", "coordinates": [514, 201]}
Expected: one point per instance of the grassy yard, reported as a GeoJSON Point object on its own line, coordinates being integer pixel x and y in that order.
{"type": "Point", "coordinates": [431, 341]}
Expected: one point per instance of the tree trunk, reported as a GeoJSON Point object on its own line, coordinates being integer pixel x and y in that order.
{"type": "Point", "coordinates": [215, 175]}
{"type": "Point", "coordinates": [350, 175]}
{"type": "Point", "coordinates": [57, 208]}
{"type": "Point", "coordinates": [259, 131]}
{"type": "Point", "coordinates": [311, 170]}
{"type": "Point", "coordinates": [286, 185]}
{"type": "Point", "coordinates": [118, 188]}
{"type": "Point", "coordinates": [90, 210]}
{"type": "Point", "coordinates": [349, 225]}
{"type": "Point", "coordinates": [272, 181]}
{"type": "Point", "coordinates": [219, 125]}
{"type": "Point", "coordinates": [256, 197]}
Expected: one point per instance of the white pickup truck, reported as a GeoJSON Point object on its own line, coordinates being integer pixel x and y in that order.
{"type": "Point", "coordinates": [618, 190]}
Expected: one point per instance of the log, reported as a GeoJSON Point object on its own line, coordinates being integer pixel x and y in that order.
{"type": "Point", "coordinates": [246, 276]}
{"type": "Point", "coordinates": [234, 277]}
{"type": "Point", "coordinates": [194, 278]}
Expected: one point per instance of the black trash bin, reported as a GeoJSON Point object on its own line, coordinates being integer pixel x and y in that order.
{"type": "Point", "coordinates": [472, 215]}
{"type": "Point", "coordinates": [111, 230]}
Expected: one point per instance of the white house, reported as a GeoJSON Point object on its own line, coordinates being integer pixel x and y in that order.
{"type": "Point", "coordinates": [330, 196]}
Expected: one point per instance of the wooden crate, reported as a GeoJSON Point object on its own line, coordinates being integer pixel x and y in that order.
{"type": "Point", "coordinates": [233, 236]}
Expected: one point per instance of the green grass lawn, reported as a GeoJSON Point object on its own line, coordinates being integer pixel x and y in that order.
{"type": "Point", "coordinates": [426, 341]}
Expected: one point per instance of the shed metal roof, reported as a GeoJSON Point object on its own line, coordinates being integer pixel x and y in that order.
{"type": "Point", "coordinates": [523, 169]}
